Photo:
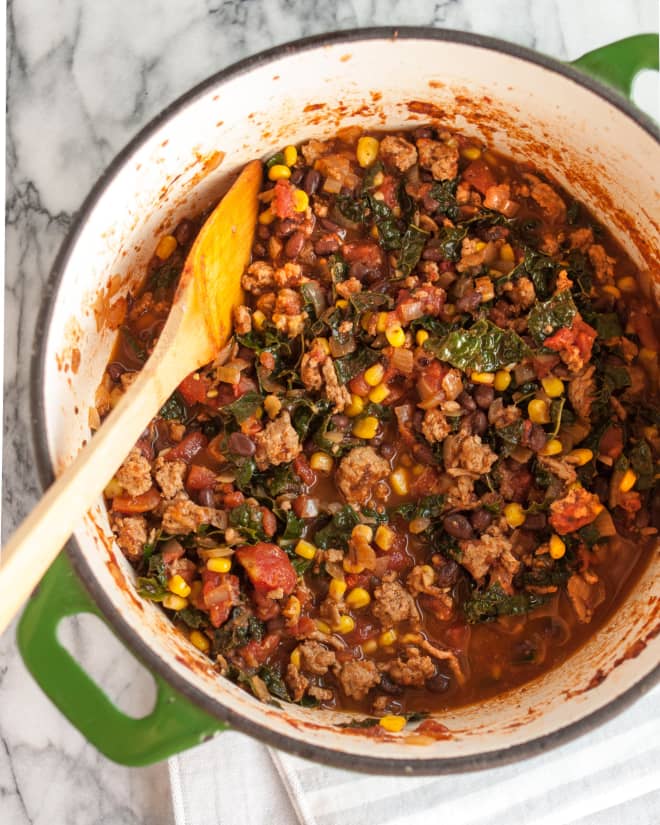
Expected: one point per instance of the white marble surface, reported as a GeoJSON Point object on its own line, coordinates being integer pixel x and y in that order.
{"type": "Point", "coordinates": [83, 77]}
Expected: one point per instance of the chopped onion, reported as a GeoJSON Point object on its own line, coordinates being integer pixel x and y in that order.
{"type": "Point", "coordinates": [339, 348]}
{"type": "Point", "coordinates": [419, 524]}
{"type": "Point", "coordinates": [214, 552]}
{"type": "Point", "coordinates": [335, 570]}
{"type": "Point", "coordinates": [524, 373]}
{"type": "Point", "coordinates": [227, 477]}
{"type": "Point", "coordinates": [410, 310]}
{"type": "Point", "coordinates": [428, 390]}
{"type": "Point", "coordinates": [228, 375]}
{"type": "Point", "coordinates": [432, 401]}
{"type": "Point", "coordinates": [332, 185]}
{"type": "Point", "coordinates": [402, 360]}
{"type": "Point", "coordinates": [380, 566]}
{"type": "Point", "coordinates": [310, 508]}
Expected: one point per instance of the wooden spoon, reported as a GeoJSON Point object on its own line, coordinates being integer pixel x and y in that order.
{"type": "Point", "coordinates": [198, 326]}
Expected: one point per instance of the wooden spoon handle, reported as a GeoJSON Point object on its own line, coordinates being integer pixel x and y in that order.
{"type": "Point", "coordinates": [34, 545]}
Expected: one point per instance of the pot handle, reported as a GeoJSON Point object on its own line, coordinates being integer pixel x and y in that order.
{"type": "Point", "coordinates": [618, 63]}
{"type": "Point", "coordinates": [173, 725]}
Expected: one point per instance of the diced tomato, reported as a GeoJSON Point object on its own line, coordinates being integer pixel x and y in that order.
{"type": "Point", "coordinates": [358, 580]}
{"type": "Point", "coordinates": [643, 325]}
{"type": "Point", "coordinates": [364, 252]}
{"type": "Point", "coordinates": [560, 340]}
{"type": "Point", "coordinates": [194, 387]}
{"type": "Point", "coordinates": [432, 375]}
{"type": "Point", "coordinates": [575, 510]}
{"type": "Point", "coordinates": [388, 188]}
{"type": "Point", "coordinates": [584, 337]}
{"type": "Point", "coordinates": [631, 501]}
{"type": "Point", "coordinates": [233, 499]}
{"type": "Point", "coordinates": [436, 730]}
{"type": "Point", "coordinates": [265, 609]}
{"type": "Point", "coordinates": [186, 568]}
{"type": "Point", "coordinates": [188, 447]}
{"type": "Point", "coordinates": [172, 551]}
{"type": "Point", "coordinates": [220, 592]}
{"type": "Point", "coordinates": [251, 425]}
{"type": "Point", "coordinates": [245, 384]}
{"type": "Point", "coordinates": [200, 478]}
{"type": "Point", "coordinates": [268, 567]}
{"type": "Point", "coordinates": [303, 628]}
{"type": "Point", "coordinates": [398, 559]}
{"type": "Point", "coordinates": [544, 364]}
{"type": "Point", "coordinates": [137, 504]}
{"type": "Point", "coordinates": [282, 204]}
{"type": "Point", "coordinates": [359, 386]}
{"type": "Point", "coordinates": [255, 653]}
{"type": "Point", "coordinates": [427, 483]}
{"type": "Point", "coordinates": [302, 469]}
{"type": "Point", "coordinates": [479, 175]}
{"type": "Point", "coordinates": [611, 443]}
{"type": "Point", "coordinates": [365, 628]}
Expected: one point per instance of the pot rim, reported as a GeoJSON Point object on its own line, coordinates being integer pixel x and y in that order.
{"type": "Point", "coordinates": [129, 634]}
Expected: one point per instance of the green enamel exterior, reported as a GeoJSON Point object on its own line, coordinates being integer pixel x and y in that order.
{"type": "Point", "coordinates": [173, 725]}
{"type": "Point", "coordinates": [617, 64]}
{"type": "Point", "coordinates": [176, 723]}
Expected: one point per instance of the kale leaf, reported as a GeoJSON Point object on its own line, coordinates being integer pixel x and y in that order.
{"type": "Point", "coordinates": [241, 627]}
{"type": "Point", "coordinates": [193, 618]}
{"type": "Point", "coordinates": [272, 678]}
{"type": "Point", "coordinates": [486, 605]}
{"type": "Point", "coordinates": [351, 365]}
{"type": "Point", "coordinates": [427, 507]}
{"type": "Point", "coordinates": [542, 272]}
{"type": "Point", "coordinates": [412, 245]}
{"type": "Point", "coordinates": [249, 521]}
{"type": "Point", "coordinates": [338, 531]}
{"type": "Point", "coordinates": [174, 408]}
{"type": "Point", "coordinates": [153, 586]}
{"type": "Point", "coordinates": [641, 460]}
{"type": "Point", "coordinates": [444, 192]}
{"type": "Point", "coordinates": [484, 347]}
{"type": "Point", "coordinates": [245, 406]}
{"type": "Point", "coordinates": [545, 318]}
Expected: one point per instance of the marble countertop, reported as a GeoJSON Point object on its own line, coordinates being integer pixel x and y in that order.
{"type": "Point", "coordinates": [82, 79]}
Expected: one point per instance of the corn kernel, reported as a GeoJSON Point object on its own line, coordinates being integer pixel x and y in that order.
{"type": "Point", "coordinates": [321, 461]}
{"type": "Point", "coordinates": [648, 355]}
{"type": "Point", "coordinates": [322, 344]}
{"type": "Point", "coordinates": [421, 337]}
{"type": "Point", "coordinates": [362, 532]}
{"type": "Point", "coordinates": [479, 245]}
{"type": "Point", "coordinates": [387, 638]}
{"type": "Point", "coordinates": [471, 153]}
{"type": "Point", "coordinates": [370, 647]}
{"type": "Point", "coordinates": [258, 319]}
{"type": "Point", "coordinates": [305, 550]}
{"type": "Point", "coordinates": [418, 469]}
{"type": "Point", "coordinates": [173, 602]}
{"type": "Point", "coordinates": [482, 377]}
{"type": "Point", "coordinates": [113, 488]}
{"type": "Point", "coordinates": [300, 200]}
{"type": "Point", "coordinates": [580, 457]}
{"type": "Point", "coordinates": [166, 246]}
{"type": "Point", "coordinates": [384, 537]}
{"type": "Point", "coordinates": [374, 375]}
{"type": "Point", "coordinates": [222, 565]}
{"type": "Point", "coordinates": [279, 172]}
{"type": "Point", "coordinates": [395, 335]}
{"type": "Point", "coordinates": [627, 284]}
{"type": "Point", "coordinates": [650, 433]}
{"type": "Point", "coordinates": [342, 303]}
{"type": "Point", "coordinates": [337, 589]}
{"type": "Point", "coordinates": [557, 547]}
{"type": "Point", "coordinates": [366, 427]}
{"type": "Point", "coordinates": [324, 627]}
{"type": "Point", "coordinates": [290, 155]}
{"type": "Point", "coordinates": [200, 640]}
{"type": "Point", "coordinates": [628, 481]}
{"type": "Point", "coordinates": [552, 447]}
{"type": "Point", "coordinates": [355, 407]}
{"type": "Point", "coordinates": [266, 217]}
{"type": "Point", "coordinates": [177, 584]}
{"type": "Point", "coordinates": [379, 394]}
{"type": "Point", "coordinates": [554, 387]}
{"type": "Point", "coordinates": [294, 658]}
{"type": "Point", "coordinates": [391, 722]}
{"type": "Point", "coordinates": [346, 624]}
{"type": "Point", "coordinates": [538, 411]}
{"type": "Point", "coordinates": [399, 481]}
{"type": "Point", "coordinates": [502, 380]}
{"type": "Point", "coordinates": [352, 566]}
{"type": "Point", "coordinates": [367, 151]}
{"type": "Point", "coordinates": [514, 514]}
{"type": "Point", "coordinates": [506, 252]}
{"type": "Point", "coordinates": [381, 322]}
{"type": "Point", "coordinates": [272, 405]}
{"type": "Point", "coordinates": [610, 289]}
{"type": "Point", "coordinates": [358, 597]}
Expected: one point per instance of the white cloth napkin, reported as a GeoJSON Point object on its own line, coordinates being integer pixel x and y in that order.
{"type": "Point", "coordinates": [609, 777]}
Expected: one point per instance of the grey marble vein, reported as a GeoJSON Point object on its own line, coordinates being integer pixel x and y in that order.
{"type": "Point", "coordinates": [83, 77]}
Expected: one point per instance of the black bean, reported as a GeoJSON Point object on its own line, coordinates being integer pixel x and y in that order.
{"type": "Point", "coordinates": [536, 438]}
{"type": "Point", "coordinates": [340, 421]}
{"type": "Point", "coordinates": [601, 488]}
{"type": "Point", "coordinates": [447, 574]}
{"type": "Point", "coordinates": [184, 232]}
{"type": "Point", "coordinates": [483, 395]}
{"type": "Point", "coordinates": [259, 250]}
{"type": "Point", "coordinates": [388, 686]}
{"type": "Point", "coordinates": [115, 369]}
{"type": "Point", "coordinates": [387, 451]}
{"type": "Point", "coordinates": [294, 244]}
{"type": "Point", "coordinates": [478, 422]}
{"type": "Point", "coordinates": [469, 302]}
{"type": "Point", "coordinates": [241, 444]}
{"type": "Point", "coordinates": [206, 497]}
{"type": "Point", "coordinates": [297, 176]}
{"type": "Point", "coordinates": [359, 270]}
{"type": "Point", "coordinates": [263, 232]}
{"type": "Point", "coordinates": [535, 521]}
{"type": "Point", "coordinates": [423, 132]}
{"type": "Point", "coordinates": [480, 519]}
{"type": "Point", "coordinates": [311, 182]}
{"type": "Point", "coordinates": [457, 526]}
{"type": "Point", "coordinates": [326, 245]}
{"type": "Point", "coordinates": [331, 226]}
{"type": "Point", "coordinates": [285, 227]}
{"type": "Point", "coordinates": [432, 253]}
{"type": "Point", "coordinates": [466, 401]}
{"type": "Point", "coordinates": [438, 683]}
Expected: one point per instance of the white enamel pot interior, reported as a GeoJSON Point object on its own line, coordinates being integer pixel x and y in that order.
{"type": "Point", "coordinates": [588, 139]}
